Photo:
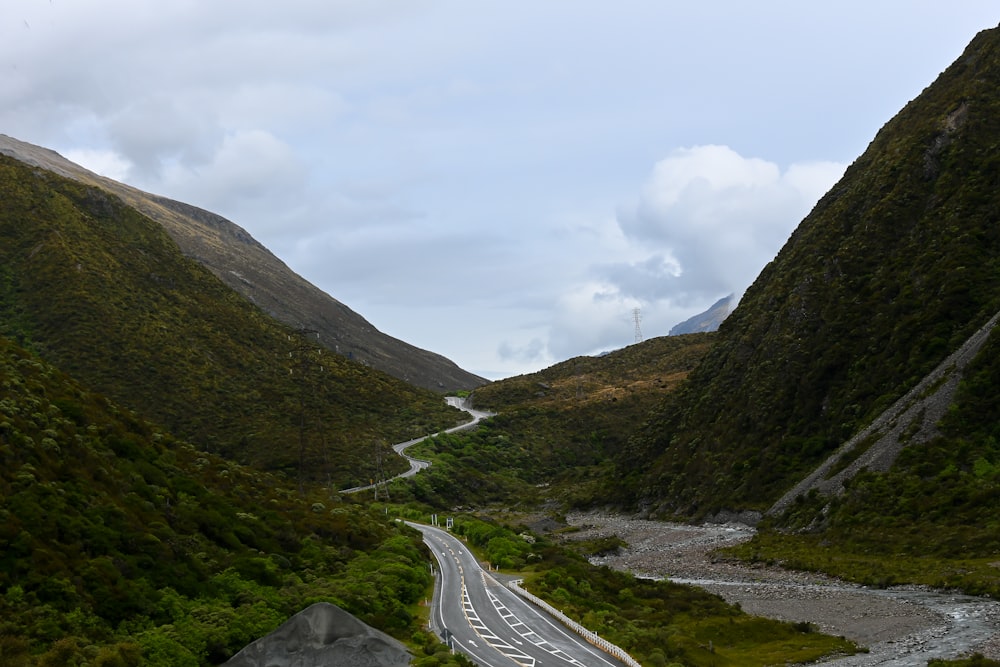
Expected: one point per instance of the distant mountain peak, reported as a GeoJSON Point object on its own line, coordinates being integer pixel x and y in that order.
{"type": "Point", "coordinates": [708, 320]}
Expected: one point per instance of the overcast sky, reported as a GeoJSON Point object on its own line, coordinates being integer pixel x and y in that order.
{"type": "Point", "coordinates": [499, 182]}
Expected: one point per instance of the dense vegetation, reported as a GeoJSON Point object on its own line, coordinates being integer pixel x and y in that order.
{"type": "Point", "coordinates": [894, 268]}
{"type": "Point", "coordinates": [932, 519]}
{"type": "Point", "coordinates": [101, 291]}
{"type": "Point", "coordinates": [121, 544]}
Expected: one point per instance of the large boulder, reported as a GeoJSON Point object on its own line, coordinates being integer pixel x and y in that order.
{"type": "Point", "coordinates": [323, 634]}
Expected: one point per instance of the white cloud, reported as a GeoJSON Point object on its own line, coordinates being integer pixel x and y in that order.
{"type": "Point", "coordinates": [159, 129]}
{"type": "Point", "coordinates": [531, 352]}
{"type": "Point", "coordinates": [705, 223]}
{"type": "Point", "coordinates": [103, 162]}
{"type": "Point", "coordinates": [592, 317]}
{"type": "Point", "coordinates": [243, 172]}
{"type": "Point", "coordinates": [710, 219]}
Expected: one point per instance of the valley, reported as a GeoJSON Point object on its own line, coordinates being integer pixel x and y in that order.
{"type": "Point", "coordinates": [174, 446]}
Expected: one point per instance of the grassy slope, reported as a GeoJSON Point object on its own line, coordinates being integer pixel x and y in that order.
{"type": "Point", "coordinates": [105, 294]}
{"type": "Point", "coordinates": [892, 270]}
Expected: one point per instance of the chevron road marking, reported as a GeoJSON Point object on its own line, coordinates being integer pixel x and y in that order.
{"type": "Point", "coordinates": [526, 633]}
{"type": "Point", "coordinates": [488, 636]}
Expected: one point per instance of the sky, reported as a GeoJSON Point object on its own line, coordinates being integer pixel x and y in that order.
{"type": "Point", "coordinates": [503, 183]}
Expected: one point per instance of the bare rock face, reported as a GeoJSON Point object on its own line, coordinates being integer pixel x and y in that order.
{"type": "Point", "coordinates": [323, 634]}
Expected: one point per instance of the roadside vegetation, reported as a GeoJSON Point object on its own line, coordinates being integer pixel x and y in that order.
{"type": "Point", "coordinates": [557, 431]}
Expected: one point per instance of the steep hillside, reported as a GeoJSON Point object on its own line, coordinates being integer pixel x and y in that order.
{"type": "Point", "coordinates": [104, 293]}
{"type": "Point", "coordinates": [250, 269]}
{"type": "Point", "coordinates": [893, 269]}
{"type": "Point", "coordinates": [120, 545]}
{"type": "Point", "coordinates": [929, 519]}
{"type": "Point", "coordinates": [557, 429]}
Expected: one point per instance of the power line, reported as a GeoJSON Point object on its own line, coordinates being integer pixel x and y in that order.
{"type": "Point", "coordinates": [302, 348]}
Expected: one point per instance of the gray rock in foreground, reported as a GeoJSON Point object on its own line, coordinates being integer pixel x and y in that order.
{"type": "Point", "coordinates": [323, 634]}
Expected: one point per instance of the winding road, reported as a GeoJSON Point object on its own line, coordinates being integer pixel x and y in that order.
{"type": "Point", "coordinates": [416, 465]}
{"type": "Point", "coordinates": [479, 616]}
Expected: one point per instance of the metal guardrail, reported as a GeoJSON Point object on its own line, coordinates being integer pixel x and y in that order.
{"type": "Point", "coordinates": [589, 635]}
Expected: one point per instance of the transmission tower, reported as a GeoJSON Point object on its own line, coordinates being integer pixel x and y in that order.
{"type": "Point", "coordinates": [637, 317]}
{"type": "Point", "coordinates": [380, 479]}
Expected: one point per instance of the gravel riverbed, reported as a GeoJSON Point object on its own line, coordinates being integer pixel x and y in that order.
{"type": "Point", "coordinates": [900, 626]}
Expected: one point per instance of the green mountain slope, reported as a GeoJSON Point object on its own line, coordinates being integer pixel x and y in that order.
{"type": "Point", "coordinates": [894, 268]}
{"type": "Point", "coordinates": [103, 292]}
{"type": "Point", "coordinates": [249, 268]}
{"type": "Point", "coordinates": [931, 519]}
{"type": "Point", "coordinates": [120, 545]}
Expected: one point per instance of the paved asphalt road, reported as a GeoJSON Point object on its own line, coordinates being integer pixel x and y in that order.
{"type": "Point", "coordinates": [492, 625]}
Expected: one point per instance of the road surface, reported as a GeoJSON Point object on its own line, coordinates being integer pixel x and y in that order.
{"type": "Point", "coordinates": [482, 618]}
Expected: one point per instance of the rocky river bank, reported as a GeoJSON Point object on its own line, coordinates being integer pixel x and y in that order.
{"type": "Point", "coordinates": [899, 626]}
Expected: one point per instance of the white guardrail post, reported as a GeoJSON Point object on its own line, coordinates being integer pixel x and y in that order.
{"type": "Point", "coordinates": [589, 635]}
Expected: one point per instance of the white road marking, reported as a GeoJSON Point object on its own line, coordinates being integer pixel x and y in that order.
{"type": "Point", "coordinates": [488, 636]}
{"type": "Point", "coordinates": [526, 633]}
